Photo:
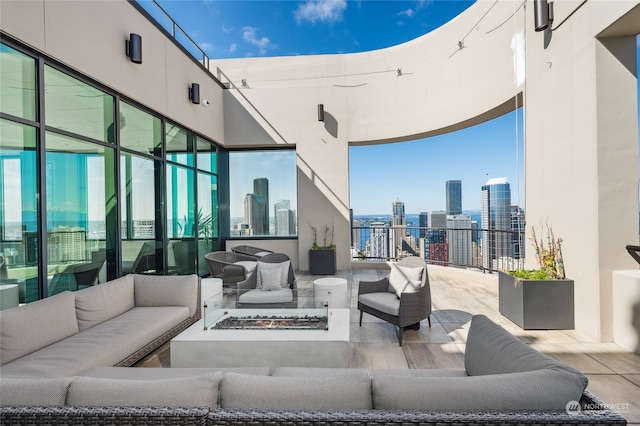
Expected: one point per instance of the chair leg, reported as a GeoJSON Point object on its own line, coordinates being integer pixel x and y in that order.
{"type": "Point", "coordinates": [400, 336]}
{"type": "Point", "coordinates": [361, 312]}
{"type": "Point", "coordinates": [429, 319]}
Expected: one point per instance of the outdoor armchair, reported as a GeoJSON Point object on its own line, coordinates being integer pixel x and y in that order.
{"type": "Point", "coordinates": [255, 252]}
{"type": "Point", "coordinates": [401, 308]}
{"type": "Point", "coordinates": [254, 292]}
{"type": "Point", "coordinates": [230, 267]}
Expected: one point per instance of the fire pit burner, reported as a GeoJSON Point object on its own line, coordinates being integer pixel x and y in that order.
{"type": "Point", "coordinates": [272, 322]}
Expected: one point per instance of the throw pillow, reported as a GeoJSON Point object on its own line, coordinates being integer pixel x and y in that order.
{"type": "Point", "coordinates": [283, 267]}
{"type": "Point", "coordinates": [404, 279]}
{"type": "Point", "coordinates": [270, 279]}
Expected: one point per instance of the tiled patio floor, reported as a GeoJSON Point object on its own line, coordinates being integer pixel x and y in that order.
{"type": "Point", "coordinates": [614, 373]}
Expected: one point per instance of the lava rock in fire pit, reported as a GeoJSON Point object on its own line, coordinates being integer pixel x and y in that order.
{"type": "Point", "coordinates": [273, 322]}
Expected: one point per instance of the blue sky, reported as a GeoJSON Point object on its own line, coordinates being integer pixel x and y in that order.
{"type": "Point", "coordinates": [415, 172]}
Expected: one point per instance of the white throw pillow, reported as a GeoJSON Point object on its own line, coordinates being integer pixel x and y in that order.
{"type": "Point", "coordinates": [270, 279]}
{"type": "Point", "coordinates": [404, 279]}
{"type": "Point", "coordinates": [283, 267]}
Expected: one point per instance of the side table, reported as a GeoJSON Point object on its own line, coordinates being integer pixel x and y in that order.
{"type": "Point", "coordinates": [332, 289]}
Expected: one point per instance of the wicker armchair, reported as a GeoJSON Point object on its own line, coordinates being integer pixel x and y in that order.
{"type": "Point", "coordinates": [223, 264]}
{"type": "Point", "coordinates": [411, 308]}
{"type": "Point", "coordinates": [249, 286]}
{"type": "Point", "coordinates": [254, 252]}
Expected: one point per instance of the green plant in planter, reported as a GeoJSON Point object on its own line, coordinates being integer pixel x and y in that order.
{"type": "Point", "coordinates": [548, 256]}
{"type": "Point", "coordinates": [327, 241]}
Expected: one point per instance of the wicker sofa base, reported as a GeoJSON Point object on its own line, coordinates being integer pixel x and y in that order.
{"type": "Point", "coordinates": [593, 412]}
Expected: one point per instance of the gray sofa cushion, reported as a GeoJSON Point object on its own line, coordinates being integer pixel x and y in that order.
{"type": "Point", "coordinates": [21, 391]}
{"type": "Point", "coordinates": [490, 349]}
{"type": "Point", "coordinates": [179, 290]}
{"type": "Point", "coordinates": [27, 328]}
{"type": "Point", "coordinates": [384, 302]}
{"type": "Point", "coordinates": [243, 391]}
{"type": "Point", "coordinates": [547, 389]}
{"type": "Point", "coordinates": [105, 344]}
{"type": "Point", "coordinates": [192, 391]}
{"type": "Point", "coordinates": [167, 373]}
{"type": "Point", "coordinates": [421, 372]}
{"type": "Point", "coordinates": [103, 302]}
{"type": "Point", "coordinates": [320, 372]}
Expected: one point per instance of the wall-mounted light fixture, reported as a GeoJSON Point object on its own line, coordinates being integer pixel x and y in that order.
{"type": "Point", "coordinates": [543, 14]}
{"type": "Point", "coordinates": [133, 48]}
{"type": "Point", "coordinates": [320, 112]}
{"type": "Point", "coordinates": [194, 93]}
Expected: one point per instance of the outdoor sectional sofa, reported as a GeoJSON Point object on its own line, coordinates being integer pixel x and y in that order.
{"type": "Point", "coordinates": [504, 382]}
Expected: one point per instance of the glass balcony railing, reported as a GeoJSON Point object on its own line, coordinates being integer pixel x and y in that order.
{"type": "Point", "coordinates": [485, 249]}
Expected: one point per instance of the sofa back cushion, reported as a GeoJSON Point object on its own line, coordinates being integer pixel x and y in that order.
{"type": "Point", "coordinates": [30, 327]}
{"type": "Point", "coordinates": [243, 391]}
{"type": "Point", "coordinates": [103, 302]}
{"type": "Point", "coordinates": [21, 391]}
{"type": "Point", "coordinates": [490, 349]}
{"type": "Point", "coordinates": [177, 290]}
{"type": "Point", "coordinates": [542, 390]}
{"type": "Point", "coordinates": [199, 390]}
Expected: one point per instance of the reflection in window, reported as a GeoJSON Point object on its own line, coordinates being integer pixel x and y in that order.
{"type": "Point", "coordinates": [140, 131]}
{"type": "Point", "coordinates": [76, 107]}
{"type": "Point", "coordinates": [80, 212]}
{"type": "Point", "coordinates": [206, 155]}
{"type": "Point", "coordinates": [181, 219]}
{"type": "Point", "coordinates": [17, 83]}
{"type": "Point", "coordinates": [263, 193]}
{"type": "Point", "coordinates": [179, 145]}
{"type": "Point", "coordinates": [18, 210]}
{"type": "Point", "coordinates": [207, 217]}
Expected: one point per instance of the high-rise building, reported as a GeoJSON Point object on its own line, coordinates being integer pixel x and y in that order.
{"type": "Point", "coordinates": [459, 239]}
{"type": "Point", "coordinates": [284, 218]}
{"type": "Point", "coordinates": [438, 219]}
{"type": "Point", "coordinates": [454, 197]}
{"type": "Point", "coordinates": [436, 250]}
{"type": "Point", "coordinates": [253, 214]}
{"type": "Point", "coordinates": [355, 234]}
{"type": "Point", "coordinates": [399, 225]}
{"type": "Point", "coordinates": [423, 223]}
{"type": "Point", "coordinates": [518, 237]}
{"type": "Point", "coordinates": [495, 205]}
{"type": "Point", "coordinates": [378, 240]}
{"type": "Point", "coordinates": [261, 189]}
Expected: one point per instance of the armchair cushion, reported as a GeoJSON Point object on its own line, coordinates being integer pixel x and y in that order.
{"type": "Point", "coordinates": [404, 279]}
{"type": "Point", "coordinates": [270, 279]}
{"type": "Point", "coordinates": [284, 295]}
{"type": "Point", "coordinates": [282, 267]}
{"type": "Point", "coordinates": [249, 265]}
{"type": "Point", "coordinates": [384, 302]}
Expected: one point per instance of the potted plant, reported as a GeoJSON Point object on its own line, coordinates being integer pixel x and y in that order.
{"type": "Point", "coordinates": [540, 299]}
{"type": "Point", "coordinates": [322, 258]}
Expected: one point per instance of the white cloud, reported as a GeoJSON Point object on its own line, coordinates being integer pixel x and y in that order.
{"type": "Point", "coordinates": [321, 10]}
{"type": "Point", "coordinates": [249, 34]}
{"type": "Point", "coordinates": [233, 47]}
{"type": "Point", "coordinates": [408, 13]}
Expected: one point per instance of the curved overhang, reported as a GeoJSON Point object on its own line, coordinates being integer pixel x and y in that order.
{"type": "Point", "coordinates": [463, 73]}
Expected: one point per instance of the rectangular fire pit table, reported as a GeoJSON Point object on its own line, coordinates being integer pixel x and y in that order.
{"type": "Point", "coordinates": [203, 345]}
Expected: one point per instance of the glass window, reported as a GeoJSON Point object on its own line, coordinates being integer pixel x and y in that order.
{"type": "Point", "coordinates": [181, 228]}
{"type": "Point", "coordinates": [17, 83]}
{"type": "Point", "coordinates": [80, 212]}
{"type": "Point", "coordinates": [207, 218]}
{"type": "Point", "coordinates": [18, 210]}
{"type": "Point", "coordinates": [179, 145]}
{"type": "Point", "coordinates": [263, 192]}
{"type": "Point", "coordinates": [138, 213]}
{"type": "Point", "coordinates": [206, 155]}
{"type": "Point", "coordinates": [76, 107]}
{"type": "Point", "coordinates": [140, 131]}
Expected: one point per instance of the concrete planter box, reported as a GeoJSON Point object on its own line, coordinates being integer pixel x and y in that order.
{"type": "Point", "coordinates": [537, 305]}
{"type": "Point", "coordinates": [322, 262]}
